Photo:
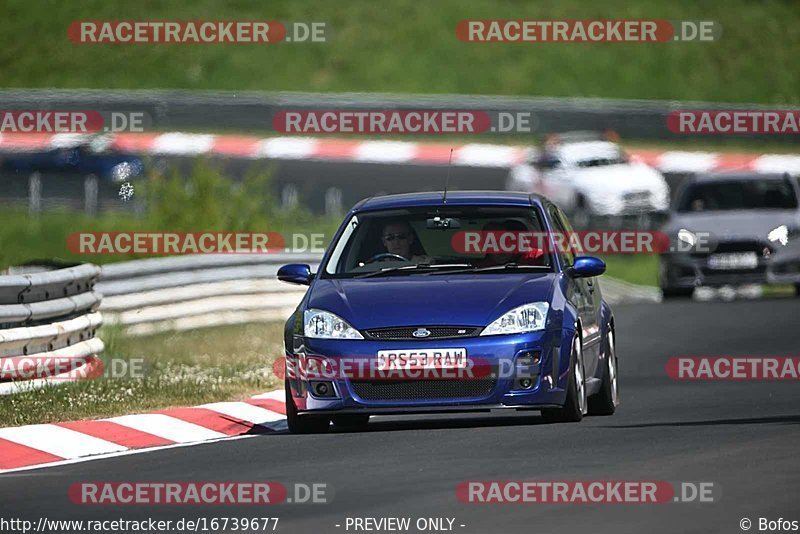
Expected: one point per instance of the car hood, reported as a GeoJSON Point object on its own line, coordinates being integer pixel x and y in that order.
{"type": "Point", "coordinates": [744, 224]}
{"type": "Point", "coordinates": [620, 179]}
{"type": "Point", "coordinates": [417, 300]}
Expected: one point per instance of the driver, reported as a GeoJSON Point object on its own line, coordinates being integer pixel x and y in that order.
{"type": "Point", "coordinates": [522, 257]}
{"type": "Point", "coordinates": [398, 238]}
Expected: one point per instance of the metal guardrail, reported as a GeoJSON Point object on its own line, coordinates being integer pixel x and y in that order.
{"type": "Point", "coordinates": [48, 324]}
{"type": "Point", "coordinates": [186, 292]}
{"type": "Point", "coordinates": [253, 111]}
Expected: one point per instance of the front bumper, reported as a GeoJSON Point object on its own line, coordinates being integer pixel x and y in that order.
{"type": "Point", "coordinates": [784, 269]}
{"type": "Point", "coordinates": [501, 389]}
{"type": "Point", "coordinates": [685, 270]}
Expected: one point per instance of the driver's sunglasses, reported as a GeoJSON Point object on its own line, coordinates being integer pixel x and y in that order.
{"type": "Point", "coordinates": [392, 237]}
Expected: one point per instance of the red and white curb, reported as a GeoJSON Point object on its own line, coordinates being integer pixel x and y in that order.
{"type": "Point", "coordinates": [389, 152]}
{"type": "Point", "coordinates": [31, 446]}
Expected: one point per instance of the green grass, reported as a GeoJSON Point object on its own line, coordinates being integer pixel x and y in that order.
{"type": "Point", "coordinates": [640, 269]}
{"type": "Point", "coordinates": [180, 369]}
{"type": "Point", "coordinates": [409, 46]}
{"type": "Point", "coordinates": [24, 238]}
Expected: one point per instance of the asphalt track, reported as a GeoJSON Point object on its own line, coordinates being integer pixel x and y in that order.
{"type": "Point", "coordinates": [743, 436]}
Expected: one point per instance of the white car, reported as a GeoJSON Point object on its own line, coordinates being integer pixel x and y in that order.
{"type": "Point", "coordinates": [591, 178]}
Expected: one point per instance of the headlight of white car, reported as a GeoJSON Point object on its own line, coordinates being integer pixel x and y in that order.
{"type": "Point", "coordinates": [527, 318]}
{"type": "Point", "coordinates": [321, 324]}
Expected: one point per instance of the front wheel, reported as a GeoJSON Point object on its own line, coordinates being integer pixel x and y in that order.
{"type": "Point", "coordinates": [306, 423]}
{"type": "Point", "coordinates": [575, 405]}
{"type": "Point", "coordinates": [677, 292]}
{"type": "Point", "coordinates": [606, 400]}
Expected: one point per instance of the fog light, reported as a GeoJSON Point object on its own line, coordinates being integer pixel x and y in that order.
{"type": "Point", "coordinates": [323, 389]}
{"type": "Point", "coordinates": [526, 383]}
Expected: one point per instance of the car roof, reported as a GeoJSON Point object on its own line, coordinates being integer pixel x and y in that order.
{"type": "Point", "coordinates": [734, 176]}
{"type": "Point", "coordinates": [454, 198]}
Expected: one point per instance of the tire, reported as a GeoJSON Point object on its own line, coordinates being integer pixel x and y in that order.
{"type": "Point", "coordinates": [677, 292]}
{"type": "Point", "coordinates": [797, 290]}
{"type": "Point", "coordinates": [353, 421]}
{"type": "Point", "coordinates": [667, 291]}
{"type": "Point", "coordinates": [605, 401]}
{"type": "Point", "coordinates": [581, 218]}
{"type": "Point", "coordinates": [575, 404]}
{"type": "Point", "coordinates": [303, 424]}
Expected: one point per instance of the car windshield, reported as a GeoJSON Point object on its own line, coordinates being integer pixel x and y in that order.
{"type": "Point", "coordinates": [602, 161]}
{"type": "Point", "coordinates": [594, 154]}
{"type": "Point", "coordinates": [755, 194]}
{"type": "Point", "coordinates": [430, 241]}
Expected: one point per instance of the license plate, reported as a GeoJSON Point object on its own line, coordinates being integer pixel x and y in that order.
{"type": "Point", "coordinates": [412, 359]}
{"type": "Point", "coordinates": [735, 260]}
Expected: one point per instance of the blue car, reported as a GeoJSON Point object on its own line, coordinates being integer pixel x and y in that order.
{"type": "Point", "coordinates": [83, 157]}
{"type": "Point", "coordinates": [416, 308]}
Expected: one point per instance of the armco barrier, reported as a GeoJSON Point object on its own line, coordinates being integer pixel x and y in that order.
{"type": "Point", "coordinates": [48, 321]}
{"type": "Point", "coordinates": [254, 111]}
{"type": "Point", "coordinates": [185, 292]}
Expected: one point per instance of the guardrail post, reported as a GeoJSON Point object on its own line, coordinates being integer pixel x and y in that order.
{"type": "Point", "coordinates": [289, 197]}
{"type": "Point", "coordinates": [35, 194]}
{"type": "Point", "coordinates": [90, 194]}
{"type": "Point", "coordinates": [333, 201]}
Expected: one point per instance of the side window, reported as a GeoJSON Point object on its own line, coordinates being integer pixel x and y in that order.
{"type": "Point", "coordinates": [563, 234]}
{"type": "Point", "coordinates": [548, 162]}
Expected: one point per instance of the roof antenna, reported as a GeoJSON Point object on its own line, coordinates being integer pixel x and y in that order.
{"type": "Point", "coordinates": [447, 180]}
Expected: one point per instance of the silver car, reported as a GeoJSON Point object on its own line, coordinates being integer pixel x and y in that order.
{"type": "Point", "coordinates": [733, 228]}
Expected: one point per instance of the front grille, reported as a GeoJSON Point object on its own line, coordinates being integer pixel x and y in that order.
{"type": "Point", "coordinates": [637, 196]}
{"type": "Point", "coordinates": [406, 333]}
{"type": "Point", "coordinates": [725, 247]}
{"type": "Point", "coordinates": [380, 390]}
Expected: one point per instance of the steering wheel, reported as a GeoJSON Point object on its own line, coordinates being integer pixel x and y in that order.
{"type": "Point", "coordinates": [385, 255]}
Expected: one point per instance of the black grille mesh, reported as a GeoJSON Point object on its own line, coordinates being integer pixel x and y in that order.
{"type": "Point", "coordinates": [436, 332]}
{"type": "Point", "coordinates": [377, 390]}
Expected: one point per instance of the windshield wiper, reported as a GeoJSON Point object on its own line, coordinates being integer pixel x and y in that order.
{"type": "Point", "coordinates": [417, 267]}
{"type": "Point", "coordinates": [502, 267]}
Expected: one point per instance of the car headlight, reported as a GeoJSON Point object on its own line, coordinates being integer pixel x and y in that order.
{"type": "Point", "coordinates": [326, 325]}
{"type": "Point", "coordinates": [779, 234]}
{"type": "Point", "coordinates": [526, 318]}
{"type": "Point", "coordinates": [687, 237]}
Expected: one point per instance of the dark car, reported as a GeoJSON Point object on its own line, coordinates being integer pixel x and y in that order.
{"type": "Point", "coordinates": [79, 156]}
{"type": "Point", "coordinates": [733, 228]}
{"type": "Point", "coordinates": [393, 294]}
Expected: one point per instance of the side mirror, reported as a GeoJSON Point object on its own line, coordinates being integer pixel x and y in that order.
{"type": "Point", "coordinates": [587, 267]}
{"type": "Point", "coordinates": [295, 273]}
